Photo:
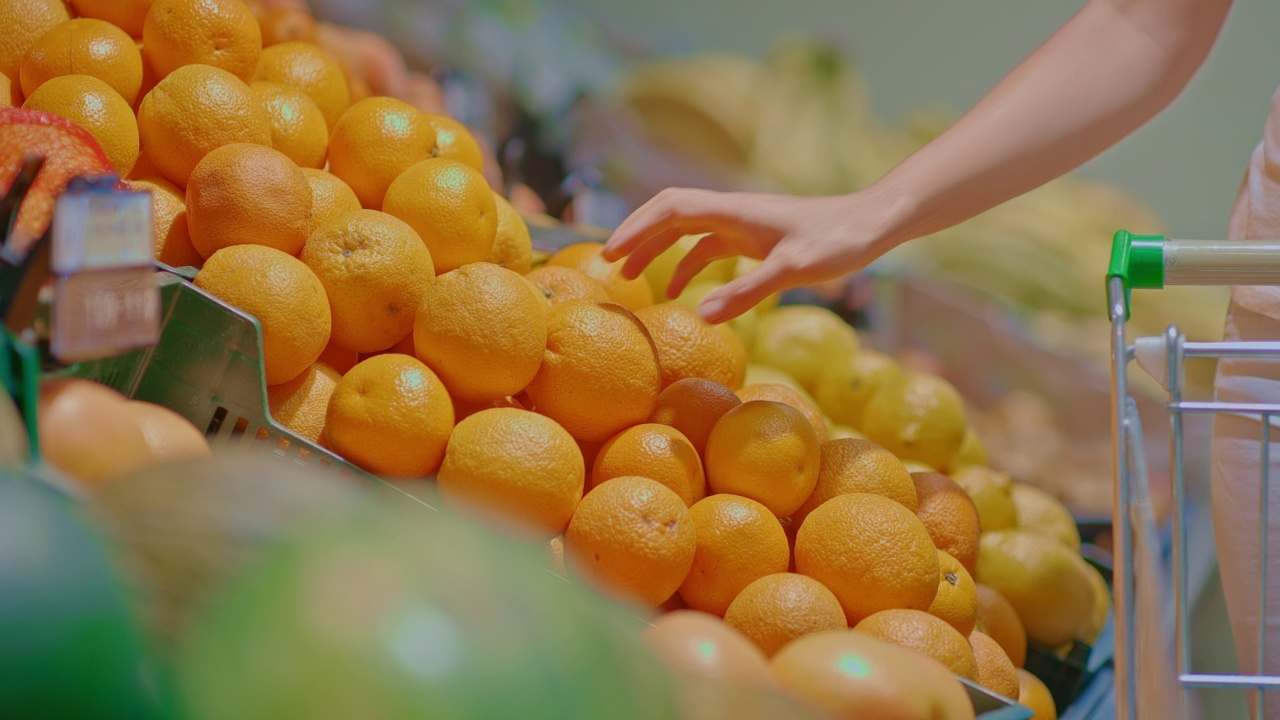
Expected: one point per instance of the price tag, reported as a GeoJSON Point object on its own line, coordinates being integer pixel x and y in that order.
{"type": "Point", "coordinates": [96, 229]}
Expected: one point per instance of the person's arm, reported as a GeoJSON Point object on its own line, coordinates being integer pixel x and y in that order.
{"type": "Point", "coordinates": [1106, 72]}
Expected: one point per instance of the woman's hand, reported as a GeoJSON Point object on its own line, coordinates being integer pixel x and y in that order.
{"type": "Point", "coordinates": [801, 240]}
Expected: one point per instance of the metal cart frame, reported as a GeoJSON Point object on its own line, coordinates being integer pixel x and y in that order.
{"type": "Point", "coordinates": [1153, 262]}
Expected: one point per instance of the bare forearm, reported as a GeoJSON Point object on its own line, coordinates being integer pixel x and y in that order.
{"type": "Point", "coordinates": [1109, 70]}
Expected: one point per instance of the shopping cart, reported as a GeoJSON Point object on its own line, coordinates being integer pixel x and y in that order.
{"type": "Point", "coordinates": [1153, 262]}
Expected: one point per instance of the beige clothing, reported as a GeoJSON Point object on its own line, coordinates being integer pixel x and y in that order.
{"type": "Point", "coordinates": [1235, 483]}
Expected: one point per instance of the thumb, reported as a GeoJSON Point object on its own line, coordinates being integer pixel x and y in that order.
{"type": "Point", "coordinates": [744, 293]}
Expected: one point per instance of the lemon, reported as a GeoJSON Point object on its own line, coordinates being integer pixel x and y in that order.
{"type": "Point", "coordinates": [992, 493]}
{"type": "Point", "coordinates": [839, 432]}
{"type": "Point", "coordinates": [763, 374]}
{"type": "Point", "coordinates": [659, 271]}
{"type": "Point", "coordinates": [918, 417]}
{"type": "Point", "coordinates": [972, 451]}
{"type": "Point", "coordinates": [1040, 512]}
{"type": "Point", "coordinates": [744, 326]}
{"type": "Point", "coordinates": [802, 339]}
{"type": "Point", "coordinates": [844, 389]}
{"type": "Point", "coordinates": [1047, 583]}
{"type": "Point", "coordinates": [1101, 607]}
{"type": "Point", "coordinates": [745, 265]}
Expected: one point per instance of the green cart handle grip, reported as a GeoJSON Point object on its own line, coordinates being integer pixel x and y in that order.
{"type": "Point", "coordinates": [1138, 260]}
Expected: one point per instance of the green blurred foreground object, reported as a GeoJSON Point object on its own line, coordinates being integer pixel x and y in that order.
{"type": "Point", "coordinates": [68, 645]}
{"type": "Point", "coordinates": [386, 615]}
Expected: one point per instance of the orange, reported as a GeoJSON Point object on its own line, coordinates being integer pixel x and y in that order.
{"type": "Point", "coordinates": [144, 169]}
{"type": "Point", "coordinates": [87, 433]}
{"type": "Point", "coordinates": [481, 330]}
{"type": "Point", "coordinates": [871, 552]}
{"type": "Point", "coordinates": [169, 220]}
{"type": "Point", "coordinates": [94, 106]}
{"type": "Point", "coordinates": [738, 542]}
{"type": "Point", "coordinates": [85, 47]}
{"type": "Point", "coordinates": [925, 633]}
{"type": "Point", "coordinates": [194, 110]}
{"type": "Point", "coordinates": [995, 672]}
{"type": "Point", "coordinates": [374, 141]}
{"type": "Point", "coordinates": [632, 538]}
{"type": "Point", "coordinates": [692, 643]}
{"type": "Point", "coordinates": [375, 272]}
{"type": "Point", "coordinates": [297, 126]}
{"type": "Point", "coordinates": [301, 403]}
{"type": "Point", "coordinates": [286, 24]}
{"type": "Point", "coordinates": [170, 436]}
{"type": "Point", "coordinates": [24, 22]}
{"type": "Point", "coordinates": [559, 284]}
{"type": "Point", "coordinates": [850, 466]}
{"type": "Point", "coordinates": [775, 609]}
{"type": "Point", "coordinates": [766, 451]}
{"type": "Point", "coordinates": [128, 15]}
{"type": "Point", "coordinates": [283, 294]}
{"type": "Point", "coordinates": [957, 598]}
{"type": "Point", "coordinates": [391, 416]}
{"type": "Point", "coordinates": [451, 207]}
{"type": "Point", "coordinates": [690, 347]}
{"type": "Point", "coordinates": [788, 396]}
{"type": "Point", "coordinates": [512, 245]}
{"type": "Point", "coordinates": [339, 358]}
{"type": "Point", "coordinates": [454, 141]}
{"type": "Point", "coordinates": [244, 194]}
{"type": "Point", "coordinates": [585, 256]}
{"type": "Point", "coordinates": [693, 406]}
{"type": "Point", "coordinates": [311, 70]}
{"type": "Point", "coordinates": [515, 466]}
{"type": "Point", "coordinates": [997, 618]}
{"type": "Point", "coordinates": [599, 374]}
{"type": "Point", "coordinates": [848, 675]}
{"type": "Point", "coordinates": [949, 515]}
{"type": "Point", "coordinates": [1033, 694]}
{"type": "Point", "coordinates": [221, 33]}
{"type": "Point", "coordinates": [657, 452]}
{"type": "Point", "coordinates": [330, 196]}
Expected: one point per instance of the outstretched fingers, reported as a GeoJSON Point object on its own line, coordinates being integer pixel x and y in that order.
{"type": "Point", "coordinates": [745, 292]}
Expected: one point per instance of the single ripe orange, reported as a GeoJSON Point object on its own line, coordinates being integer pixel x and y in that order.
{"type": "Point", "coordinates": [850, 465]}
{"type": "Point", "coordinates": [957, 598]}
{"type": "Point", "coordinates": [738, 542]}
{"type": "Point", "coordinates": [375, 272]}
{"type": "Point", "coordinates": [950, 516]}
{"type": "Point", "coordinates": [454, 141]}
{"type": "Point", "coordinates": [170, 436]}
{"type": "Point", "coordinates": [778, 392]}
{"type": "Point", "coordinates": [286, 24]}
{"type": "Point", "coordinates": [689, 347]}
{"type": "Point", "coordinates": [849, 675]}
{"type": "Point", "coordinates": [481, 330]}
{"type": "Point", "coordinates": [24, 22]}
{"type": "Point", "coordinates": [313, 71]}
{"type": "Point", "coordinates": [657, 452]}
{"type": "Point", "coordinates": [997, 618]}
{"type": "Point", "coordinates": [692, 643]}
{"type": "Point", "coordinates": [301, 403]}
{"type": "Point", "coordinates": [169, 220]}
{"type": "Point", "coordinates": [87, 433]}
{"type": "Point", "coordinates": [765, 451]}
{"type": "Point", "coordinates": [283, 294]}
{"type": "Point", "coordinates": [924, 633]}
{"type": "Point", "coordinates": [599, 374]}
{"type": "Point", "coordinates": [778, 608]}
{"type": "Point", "coordinates": [693, 406]}
{"type": "Point", "coordinates": [374, 141]}
{"type": "Point", "coordinates": [1033, 694]}
{"type": "Point", "coordinates": [221, 33]}
{"type": "Point", "coordinates": [585, 256]}
{"type": "Point", "coordinates": [514, 466]}
{"type": "Point", "coordinates": [85, 47]}
{"type": "Point", "coordinates": [391, 416]}
{"type": "Point", "coordinates": [451, 207]}
{"type": "Point", "coordinates": [128, 15]}
{"type": "Point", "coordinates": [94, 106]}
{"type": "Point", "coordinates": [330, 196]}
{"type": "Point", "coordinates": [297, 126]}
{"type": "Point", "coordinates": [245, 194]}
{"type": "Point", "coordinates": [512, 244]}
{"type": "Point", "coordinates": [871, 552]}
{"type": "Point", "coordinates": [195, 110]}
{"type": "Point", "coordinates": [632, 538]}
{"type": "Point", "coordinates": [559, 284]}
{"type": "Point", "coordinates": [995, 671]}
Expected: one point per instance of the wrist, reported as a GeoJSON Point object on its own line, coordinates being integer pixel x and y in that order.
{"type": "Point", "coordinates": [893, 212]}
